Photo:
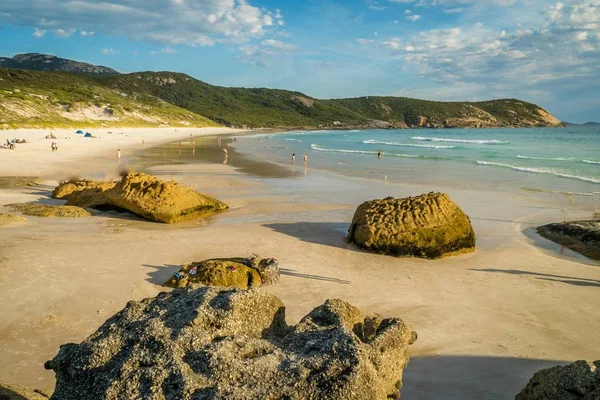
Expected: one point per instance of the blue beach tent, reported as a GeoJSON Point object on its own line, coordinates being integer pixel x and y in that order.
{"type": "Point", "coordinates": [79, 132]}
{"type": "Point", "coordinates": [87, 134]}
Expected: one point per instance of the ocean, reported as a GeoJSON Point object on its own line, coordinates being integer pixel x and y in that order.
{"type": "Point", "coordinates": [561, 160]}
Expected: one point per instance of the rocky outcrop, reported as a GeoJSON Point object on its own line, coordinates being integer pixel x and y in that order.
{"type": "Point", "coordinates": [15, 392]}
{"type": "Point", "coordinates": [12, 182]}
{"type": "Point", "coordinates": [580, 236]}
{"type": "Point", "coordinates": [7, 219]}
{"type": "Point", "coordinates": [427, 226]}
{"type": "Point", "coordinates": [83, 192]}
{"type": "Point", "coordinates": [237, 272]}
{"type": "Point", "coordinates": [577, 381]}
{"type": "Point", "coordinates": [43, 210]}
{"type": "Point", "coordinates": [140, 194]}
{"type": "Point", "coordinates": [201, 343]}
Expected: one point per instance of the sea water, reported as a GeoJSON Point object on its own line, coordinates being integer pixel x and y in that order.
{"type": "Point", "coordinates": [561, 160]}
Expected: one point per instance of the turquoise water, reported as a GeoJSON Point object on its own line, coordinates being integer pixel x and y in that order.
{"type": "Point", "coordinates": [548, 159]}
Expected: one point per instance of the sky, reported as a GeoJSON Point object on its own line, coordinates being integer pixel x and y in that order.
{"type": "Point", "coordinates": [542, 51]}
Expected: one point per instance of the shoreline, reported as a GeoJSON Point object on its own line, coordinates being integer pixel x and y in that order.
{"type": "Point", "coordinates": [496, 315]}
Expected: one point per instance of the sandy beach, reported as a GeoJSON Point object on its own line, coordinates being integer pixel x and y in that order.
{"type": "Point", "coordinates": [486, 320]}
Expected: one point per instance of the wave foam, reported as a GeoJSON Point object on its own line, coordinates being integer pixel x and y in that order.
{"type": "Point", "coordinates": [294, 140]}
{"type": "Point", "coordinates": [318, 148]}
{"type": "Point", "coordinates": [467, 141]}
{"type": "Point", "coordinates": [547, 158]}
{"type": "Point", "coordinates": [590, 161]}
{"type": "Point", "coordinates": [540, 171]}
{"type": "Point", "coordinates": [427, 146]}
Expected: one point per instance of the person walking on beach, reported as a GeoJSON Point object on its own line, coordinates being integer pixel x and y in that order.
{"type": "Point", "coordinates": [305, 158]}
{"type": "Point", "coordinates": [119, 155]}
{"type": "Point", "coordinates": [293, 158]}
{"type": "Point", "coordinates": [379, 154]}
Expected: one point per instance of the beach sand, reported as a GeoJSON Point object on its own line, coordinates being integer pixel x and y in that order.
{"type": "Point", "coordinates": [486, 321]}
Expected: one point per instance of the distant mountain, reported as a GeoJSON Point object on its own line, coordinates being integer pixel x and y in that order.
{"type": "Point", "coordinates": [34, 98]}
{"type": "Point", "coordinates": [591, 123]}
{"type": "Point", "coordinates": [586, 123]}
{"type": "Point", "coordinates": [46, 62]}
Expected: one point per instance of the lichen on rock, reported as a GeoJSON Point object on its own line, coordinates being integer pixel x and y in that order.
{"type": "Point", "coordinates": [577, 381]}
{"type": "Point", "coordinates": [236, 272]}
{"type": "Point", "coordinates": [44, 210]}
{"type": "Point", "coordinates": [204, 342]}
{"type": "Point", "coordinates": [427, 226]}
{"type": "Point", "coordinates": [7, 219]}
{"type": "Point", "coordinates": [140, 194]}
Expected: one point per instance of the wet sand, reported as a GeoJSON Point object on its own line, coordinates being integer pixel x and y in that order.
{"type": "Point", "coordinates": [486, 321]}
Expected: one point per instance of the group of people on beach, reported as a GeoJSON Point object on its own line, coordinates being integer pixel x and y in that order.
{"type": "Point", "coordinates": [294, 158]}
{"type": "Point", "coordinates": [54, 146]}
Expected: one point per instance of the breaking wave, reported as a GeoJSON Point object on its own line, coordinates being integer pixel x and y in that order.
{"type": "Point", "coordinates": [319, 148]}
{"type": "Point", "coordinates": [427, 146]}
{"type": "Point", "coordinates": [540, 171]}
{"type": "Point", "coordinates": [467, 141]}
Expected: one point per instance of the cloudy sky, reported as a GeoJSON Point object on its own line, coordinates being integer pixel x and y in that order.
{"type": "Point", "coordinates": [542, 51]}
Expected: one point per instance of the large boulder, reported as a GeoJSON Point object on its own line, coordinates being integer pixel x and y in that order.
{"type": "Point", "coordinates": [206, 343]}
{"type": "Point", "coordinates": [236, 272]}
{"type": "Point", "coordinates": [577, 381]}
{"type": "Point", "coordinates": [427, 226]}
{"type": "Point", "coordinates": [44, 210]}
{"type": "Point", "coordinates": [140, 194]}
{"type": "Point", "coordinates": [580, 236]}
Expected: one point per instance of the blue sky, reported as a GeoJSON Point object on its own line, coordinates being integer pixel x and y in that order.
{"type": "Point", "coordinates": [543, 51]}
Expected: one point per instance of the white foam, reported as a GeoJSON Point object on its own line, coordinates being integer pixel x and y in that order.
{"type": "Point", "coordinates": [467, 141]}
{"type": "Point", "coordinates": [590, 162]}
{"type": "Point", "coordinates": [540, 171]}
{"type": "Point", "coordinates": [427, 146]}
{"type": "Point", "coordinates": [318, 148]}
{"type": "Point", "coordinates": [294, 140]}
{"type": "Point", "coordinates": [546, 158]}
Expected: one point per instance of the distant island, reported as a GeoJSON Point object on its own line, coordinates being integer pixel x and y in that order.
{"type": "Point", "coordinates": [38, 90]}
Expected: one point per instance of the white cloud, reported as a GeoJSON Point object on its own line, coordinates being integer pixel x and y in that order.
{"type": "Point", "coordinates": [86, 33]}
{"type": "Point", "coordinates": [560, 54]}
{"type": "Point", "coordinates": [134, 53]}
{"type": "Point", "coordinates": [168, 50]}
{"type": "Point", "coordinates": [107, 52]}
{"type": "Point", "coordinates": [278, 45]}
{"type": "Point", "coordinates": [39, 33]}
{"type": "Point", "coordinates": [414, 17]}
{"type": "Point", "coordinates": [194, 23]}
{"type": "Point", "coordinates": [364, 41]}
{"type": "Point", "coordinates": [62, 33]}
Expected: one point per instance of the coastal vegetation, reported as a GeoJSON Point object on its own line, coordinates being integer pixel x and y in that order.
{"type": "Point", "coordinates": [58, 99]}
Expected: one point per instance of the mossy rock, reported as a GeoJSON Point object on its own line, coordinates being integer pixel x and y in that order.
{"type": "Point", "coordinates": [236, 272]}
{"type": "Point", "coordinates": [15, 392]}
{"type": "Point", "coordinates": [83, 193]}
{"type": "Point", "coordinates": [427, 226]}
{"type": "Point", "coordinates": [140, 194]}
{"type": "Point", "coordinates": [43, 210]}
{"type": "Point", "coordinates": [13, 182]}
{"type": "Point", "coordinates": [580, 236]}
{"type": "Point", "coordinates": [6, 219]}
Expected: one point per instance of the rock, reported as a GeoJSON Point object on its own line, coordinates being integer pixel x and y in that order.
{"type": "Point", "coordinates": [204, 342]}
{"type": "Point", "coordinates": [12, 182]}
{"type": "Point", "coordinates": [15, 392]}
{"type": "Point", "coordinates": [140, 194]}
{"type": "Point", "coordinates": [237, 272]}
{"type": "Point", "coordinates": [6, 219]}
{"type": "Point", "coordinates": [43, 210]}
{"type": "Point", "coordinates": [577, 381]}
{"type": "Point", "coordinates": [427, 226]}
{"type": "Point", "coordinates": [580, 236]}
{"type": "Point", "coordinates": [83, 193]}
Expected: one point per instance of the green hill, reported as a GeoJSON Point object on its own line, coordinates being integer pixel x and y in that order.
{"type": "Point", "coordinates": [35, 98]}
